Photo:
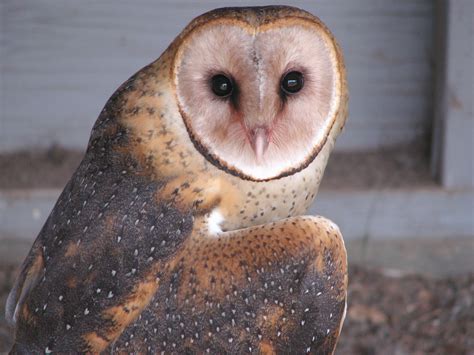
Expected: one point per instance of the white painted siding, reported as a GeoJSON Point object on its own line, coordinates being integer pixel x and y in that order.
{"type": "Point", "coordinates": [61, 60]}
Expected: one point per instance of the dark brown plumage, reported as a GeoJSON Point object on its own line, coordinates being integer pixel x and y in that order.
{"type": "Point", "coordinates": [153, 248]}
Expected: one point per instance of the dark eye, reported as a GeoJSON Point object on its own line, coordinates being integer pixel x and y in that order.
{"type": "Point", "coordinates": [292, 82]}
{"type": "Point", "coordinates": [221, 85]}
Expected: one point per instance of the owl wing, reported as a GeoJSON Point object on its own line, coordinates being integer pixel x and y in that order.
{"type": "Point", "coordinates": [276, 288]}
{"type": "Point", "coordinates": [94, 265]}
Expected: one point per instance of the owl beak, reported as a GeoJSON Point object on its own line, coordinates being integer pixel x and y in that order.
{"type": "Point", "coordinates": [259, 139]}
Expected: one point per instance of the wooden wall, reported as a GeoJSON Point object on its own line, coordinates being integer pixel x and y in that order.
{"type": "Point", "coordinates": [61, 60]}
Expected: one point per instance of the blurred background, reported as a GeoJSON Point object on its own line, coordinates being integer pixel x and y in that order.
{"type": "Point", "coordinates": [400, 183]}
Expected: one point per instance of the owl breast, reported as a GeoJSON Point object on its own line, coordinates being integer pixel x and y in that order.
{"type": "Point", "coordinates": [268, 201]}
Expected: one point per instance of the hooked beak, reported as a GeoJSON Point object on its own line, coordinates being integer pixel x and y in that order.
{"type": "Point", "coordinates": [259, 140]}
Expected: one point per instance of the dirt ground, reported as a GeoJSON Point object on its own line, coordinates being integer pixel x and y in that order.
{"type": "Point", "coordinates": [387, 314]}
{"type": "Point", "coordinates": [394, 315]}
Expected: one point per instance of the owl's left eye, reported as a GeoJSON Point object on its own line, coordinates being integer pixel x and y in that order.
{"type": "Point", "coordinates": [292, 82]}
{"type": "Point", "coordinates": [221, 85]}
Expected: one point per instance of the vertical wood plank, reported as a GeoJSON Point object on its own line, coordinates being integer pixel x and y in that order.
{"type": "Point", "coordinates": [453, 143]}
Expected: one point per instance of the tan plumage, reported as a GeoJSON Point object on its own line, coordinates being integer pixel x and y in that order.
{"type": "Point", "coordinates": [179, 232]}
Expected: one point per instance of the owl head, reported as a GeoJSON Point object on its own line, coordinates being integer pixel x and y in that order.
{"type": "Point", "coordinates": [260, 89]}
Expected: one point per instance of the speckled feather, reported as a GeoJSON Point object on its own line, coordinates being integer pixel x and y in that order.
{"type": "Point", "coordinates": [126, 262]}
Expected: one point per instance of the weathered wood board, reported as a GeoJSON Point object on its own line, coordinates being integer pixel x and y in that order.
{"type": "Point", "coordinates": [61, 60]}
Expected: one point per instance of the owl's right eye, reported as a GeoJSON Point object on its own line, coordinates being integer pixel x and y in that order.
{"type": "Point", "coordinates": [222, 85]}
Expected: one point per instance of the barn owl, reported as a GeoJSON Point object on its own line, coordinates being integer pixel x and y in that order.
{"type": "Point", "coordinates": [182, 230]}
